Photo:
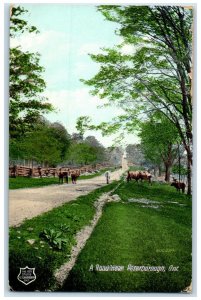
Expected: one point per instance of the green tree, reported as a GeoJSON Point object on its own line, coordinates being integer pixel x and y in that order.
{"type": "Point", "coordinates": [46, 143]}
{"type": "Point", "coordinates": [154, 77]}
{"type": "Point", "coordinates": [62, 137]}
{"type": "Point", "coordinates": [100, 150]}
{"type": "Point", "coordinates": [40, 145]}
{"type": "Point", "coordinates": [82, 153]}
{"type": "Point", "coordinates": [158, 141]}
{"type": "Point", "coordinates": [26, 81]}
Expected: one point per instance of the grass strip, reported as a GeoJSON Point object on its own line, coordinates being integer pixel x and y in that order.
{"type": "Point", "coordinates": [66, 221]}
{"type": "Point", "coordinates": [135, 234]}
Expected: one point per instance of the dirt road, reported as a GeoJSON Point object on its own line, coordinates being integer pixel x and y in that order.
{"type": "Point", "coordinates": [28, 203]}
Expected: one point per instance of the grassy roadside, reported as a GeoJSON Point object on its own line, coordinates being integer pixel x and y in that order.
{"type": "Point", "coordinates": [139, 235]}
{"type": "Point", "coordinates": [24, 182]}
{"type": "Point", "coordinates": [136, 168]}
{"type": "Point", "coordinates": [44, 253]}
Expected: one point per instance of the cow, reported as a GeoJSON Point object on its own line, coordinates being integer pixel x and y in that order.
{"type": "Point", "coordinates": [144, 175]}
{"type": "Point", "coordinates": [179, 186]}
{"type": "Point", "coordinates": [63, 175]}
{"type": "Point", "coordinates": [139, 175]}
{"type": "Point", "coordinates": [133, 175]}
{"type": "Point", "coordinates": [74, 176]}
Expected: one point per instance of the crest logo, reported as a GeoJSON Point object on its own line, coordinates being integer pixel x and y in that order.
{"type": "Point", "coordinates": [26, 275]}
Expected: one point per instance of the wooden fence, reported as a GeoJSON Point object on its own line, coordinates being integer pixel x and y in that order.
{"type": "Point", "coordinates": [23, 171]}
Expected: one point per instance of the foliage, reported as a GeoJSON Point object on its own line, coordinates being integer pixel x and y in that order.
{"type": "Point", "coordinates": [82, 153]}
{"type": "Point", "coordinates": [82, 124]}
{"type": "Point", "coordinates": [26, 82]}
{"type": "Point", "coordinates": [100, 150]}
{"type": "Point", "coordinates": [62, 137]}
{"type": "Point", "coordinates": [125, 229]}
{"type": "Point", "coordinates": [158, 139]}
{"type": "Point", "coordinates": [152, 77]}
{"type": "Point", "coordinates": [176, 170]}
{"type": "Point", "coordinates": [45, 143]}
{"type": "Point", "coordinates": [17, 24]}
{"type": "Point", "coordinates": [55, 239]}
{"type": "Point", "coordinates": [72, 216]}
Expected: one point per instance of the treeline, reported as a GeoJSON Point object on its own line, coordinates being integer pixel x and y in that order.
{"type": "Point", "coordinates": [50, 144]}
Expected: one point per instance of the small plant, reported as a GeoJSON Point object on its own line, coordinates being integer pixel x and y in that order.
{"type": "Point", "coordinates": [65, 228]}
{"type": "Point", "coordinates": [76, 219]}
{"type": "Point", "coordinates": [54, 238]}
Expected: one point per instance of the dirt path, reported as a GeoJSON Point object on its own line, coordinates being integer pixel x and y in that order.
{"type": "Point", "coordinates": [31, 202]}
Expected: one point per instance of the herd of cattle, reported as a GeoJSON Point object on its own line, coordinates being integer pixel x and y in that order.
{"type": "Point", "coordinates": [145, 175]}
{"type": "Point", "coordinates": [139, 175]}
{"type": "Point", "coordinates": [65, 173]}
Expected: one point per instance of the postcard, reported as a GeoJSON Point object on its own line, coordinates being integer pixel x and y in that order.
{"type": "Point", "coordinates": [100, 148]}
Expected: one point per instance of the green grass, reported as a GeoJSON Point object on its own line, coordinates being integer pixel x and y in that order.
{"type": "Point", "coordinates": [73, 215]}
{"type": "Point", "coordinates": [155, 191]}
{"type": "Point", "coordinates": [129, 233]}
{"type": "Point", "coordinates": [24, 182]}
{"type": "Point", "coordinates": [136, 168]}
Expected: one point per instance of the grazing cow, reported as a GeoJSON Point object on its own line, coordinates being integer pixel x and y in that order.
{"type": "Point", "coordinates": [179, 186]}
{"type": "Point", "coordinates": [133, 175]}
{"type": "Point", "coordinates": [144, 175]}
{"type": "Point", "coordinates": [74, 176]}
{"type": "Point", "coordinates": [139, 175]}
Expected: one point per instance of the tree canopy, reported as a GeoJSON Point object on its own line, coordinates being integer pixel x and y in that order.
{"type": "Point", "coordinates": [154, 75]}
{"type": "Point", "coordinates": [26, 81]}
{"type": "Point", "coordinates": [47, 143]}
{"type": "Point", "coordinates": [159, 143]}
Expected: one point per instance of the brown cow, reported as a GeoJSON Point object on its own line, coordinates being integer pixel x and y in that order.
{"type": "Point", "coordinates": [144, 175]}
{"type": "Point", "coordinates": [139, 175]}
{"type": "Point", "coordinates": [133, 175]}
{"type": "Point", "coordinates": [74, 176]}
{"type": "Point", "coordinates": [179, 186]}
{"type": "Point", "coordinates": [63, 175]}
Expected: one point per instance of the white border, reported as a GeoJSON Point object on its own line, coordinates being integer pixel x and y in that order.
{"type": "Point", "coordinates": [3, 169]}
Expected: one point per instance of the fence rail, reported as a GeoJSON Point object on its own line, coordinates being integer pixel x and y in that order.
{"type": "Point", "coordinates": [23, 171]}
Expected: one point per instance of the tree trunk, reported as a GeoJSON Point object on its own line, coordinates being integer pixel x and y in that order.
{"type": "Point", "coordinates": [167, 171]}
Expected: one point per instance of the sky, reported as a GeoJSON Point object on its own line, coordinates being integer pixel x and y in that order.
{"type": "Point", "coordinates": [67, 34]}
